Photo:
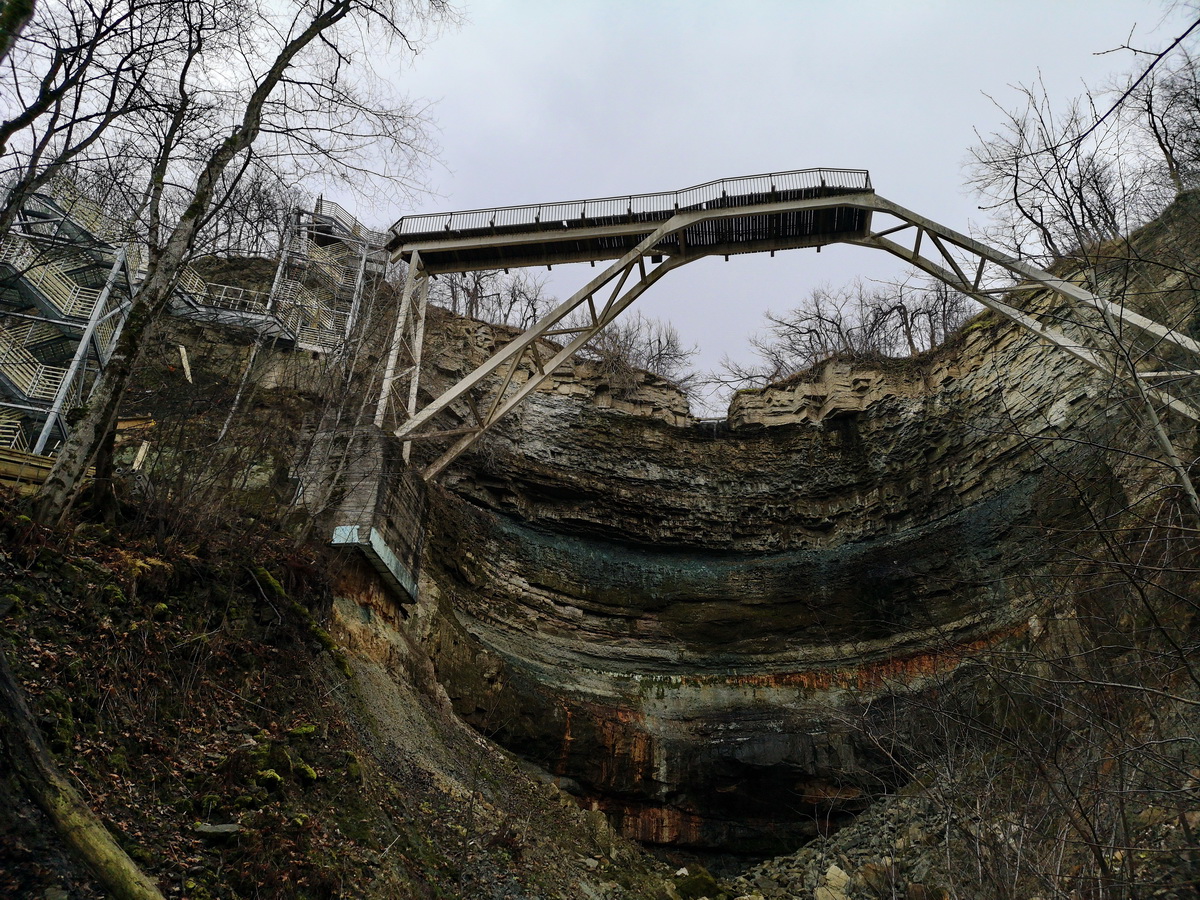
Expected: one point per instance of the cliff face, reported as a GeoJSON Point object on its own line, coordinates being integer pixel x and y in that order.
{"type": "Point", "coordinates": [723, 635]}
{"type": "Point", "coordinates": [711, 632]}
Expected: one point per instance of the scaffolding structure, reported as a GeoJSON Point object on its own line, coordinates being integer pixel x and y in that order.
{"type": "Point", "coordinates": [330, 262]}
{"type": "Point", "coordinates": [327, 264]}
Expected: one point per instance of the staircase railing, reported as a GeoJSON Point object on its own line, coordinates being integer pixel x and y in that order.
{"type": "Point", "coordinates": [190, 282]}
{"type": "Point", "coordinates": [44, 273]}
{"type": "Point", "coordinates": [226, 296]}
{"type": "Point", "coordinates": [12, 434]}
{"type": "Point", "coordinates": [333, 265]}
{"type": "Point", "coordinates": [342, 216]}
{"type": "Point", "coordinates": [32, 378]}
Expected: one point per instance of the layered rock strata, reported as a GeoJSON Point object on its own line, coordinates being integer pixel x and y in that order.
{"type": "Point", "coordinates": [716, 633]}
{"type": "Point", "coordinates": [724, 635]}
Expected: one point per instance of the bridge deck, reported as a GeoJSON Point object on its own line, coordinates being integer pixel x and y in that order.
{"type": "Point", "coordinates": [607, 228]}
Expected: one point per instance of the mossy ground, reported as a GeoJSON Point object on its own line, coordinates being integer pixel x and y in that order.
{"type": "Point", "coordinates": [187, 684]}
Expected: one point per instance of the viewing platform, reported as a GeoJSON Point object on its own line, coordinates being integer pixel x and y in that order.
{"type": "Point", "coordinates": [740, 215]}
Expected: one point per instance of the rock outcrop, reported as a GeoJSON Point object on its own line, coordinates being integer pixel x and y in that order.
{"type": "Point", "coordinates": [709, 629]}
{"type": "Point", "coordinates": [721, 635]}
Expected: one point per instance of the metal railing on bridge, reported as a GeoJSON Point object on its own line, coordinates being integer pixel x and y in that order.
{"type": "Point", "coordinates": [742, 191]}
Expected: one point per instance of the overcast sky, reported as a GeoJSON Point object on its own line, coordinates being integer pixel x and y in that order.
{"type": "Point", "coordinates": [545, 100]}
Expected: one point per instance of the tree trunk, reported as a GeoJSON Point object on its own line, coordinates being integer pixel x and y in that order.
{"type": "Point", "coordinates": [14, 15]}
{"type": "Point", "coordinates": [906, 324]}
{"type": "Point", "coordinates": [82, 830]}
{"type": "Point", "coordinates": [78, 451]}
{"type": "Point", "coordinates": [54, 499]}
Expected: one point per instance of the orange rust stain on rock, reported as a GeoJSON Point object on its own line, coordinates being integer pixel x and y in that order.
{"type": "Point", "coordinates": [654, 824]}
{"type": "Point", "coordinates": [628, 749]}
{"type": "Point", "coordinates": [565, 755]}
{"type": "Point", "coordinates": [354, 579]}
{"type": "Point", "coordinates": [610, 741]}
{"type": "Point", "coordinates": [897, 671]}
{"type": "Point", "coordinates": [904, 669]}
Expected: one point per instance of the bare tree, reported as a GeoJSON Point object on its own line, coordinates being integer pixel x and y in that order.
{"type": "Point", "coordinates": [859, 321]}
{"type": "Point", "coordinates": [253, 220]}
{"type": "Point", "coordinates": [1062, 182]}
{"type": "Point", "coordinates": [519, 299]}
{"type": "Point", "coordinates": [1166, 105]}
{"type": "Point", "coordinates": [637, 343]}
{"type": "Point", "coordinates": [80, 68]}
{"type": "Point", "coordinates": [196, 163]}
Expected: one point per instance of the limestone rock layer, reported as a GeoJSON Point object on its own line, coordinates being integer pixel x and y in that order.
{"type": "Point", "coordinates": [725, 635]}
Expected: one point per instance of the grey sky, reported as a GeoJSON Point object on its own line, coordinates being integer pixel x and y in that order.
{"type": "Point", "coordinates": [540, 101]}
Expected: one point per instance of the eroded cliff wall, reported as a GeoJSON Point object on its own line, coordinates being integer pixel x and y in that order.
{"type": "Point", "coordinates": [722, 634]}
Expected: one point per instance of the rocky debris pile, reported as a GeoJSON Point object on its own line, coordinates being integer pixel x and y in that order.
{"type": "Point", "coordinates": [897, 849]}
{"type": "Point", "coordinates": [915, 847]}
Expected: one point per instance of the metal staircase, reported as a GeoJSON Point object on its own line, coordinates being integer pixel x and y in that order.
{"type": "Point", "coordinates": [63, 296]}
{"type": "Point", "coordinates": [23, 373]}
{"type": "Point", "coordinates": [197, 298]}
{"type": "Point", "coordinates": [50, 277]}
{"type": "Point", "coordinates": [12, 432]}
{"type": "Point", "coordinates": [328, 262]}
{"type": "Point", "coordinates": [66, 279]}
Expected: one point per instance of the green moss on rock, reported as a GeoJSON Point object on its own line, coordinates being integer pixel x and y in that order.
{"type": "Point", "coordinates": [269, 779]}
{"type": "Point", "coordinates": [696, 884]}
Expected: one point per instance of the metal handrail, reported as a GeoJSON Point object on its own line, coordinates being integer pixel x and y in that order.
{"type": "Point", "coordinates": [637, 207]}
{"type": "Point", "coordinates": [44, 273]}
{"type": "Point", "coordinates": [12, 434]}
{"type": "Point", "coordinates": [234, 298]}
{"type": "Point", "coordinates": [333, 210]}
{"type": "Point", "coordinates": [189, 281]}
{"type": "Point", "coordinates": [36, 380]}
{"type": "Point", "coordinates": [333, 263]}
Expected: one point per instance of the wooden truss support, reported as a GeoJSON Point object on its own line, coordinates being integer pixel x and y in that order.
{"type": "Point", "coordinates": [508, 396]}
{"type": "Point", "coordinates": [1051, 335]}
{"type": "Point", "coordinates": [980, 256]}
{"type": "Point", "coordinates": [1115, 360]}
{"type": "Point", "coordinates": [555, 324]}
